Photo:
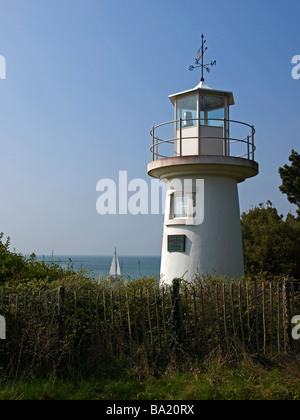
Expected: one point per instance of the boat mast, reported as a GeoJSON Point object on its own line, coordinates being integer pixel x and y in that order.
{"type": "Point", "coordinates": [116, 262]}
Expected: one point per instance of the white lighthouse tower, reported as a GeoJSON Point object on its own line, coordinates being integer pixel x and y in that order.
{"type": "Point", "coordinates": [202, 155]}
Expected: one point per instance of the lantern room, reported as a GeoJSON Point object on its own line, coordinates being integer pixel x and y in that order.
{"type": "Point", "coordinates": [202, 116]}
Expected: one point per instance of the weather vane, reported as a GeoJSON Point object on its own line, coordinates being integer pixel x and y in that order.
{"type": "Point", "coordinates": [199, 61]}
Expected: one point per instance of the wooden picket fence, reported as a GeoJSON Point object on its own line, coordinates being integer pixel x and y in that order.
{"type": "Point", "coordinates": [191, 321]}
{"type": "Point", "coordinates": [251, 316]}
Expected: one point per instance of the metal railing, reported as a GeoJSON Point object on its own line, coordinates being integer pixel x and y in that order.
{"type": "Point", "coordinates": [246, 141]}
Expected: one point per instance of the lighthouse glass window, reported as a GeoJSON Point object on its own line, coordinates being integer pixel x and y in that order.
{"type": "Point", "coordinates": [212, 110]}
{"type": "Point", "coordinates": [187, 111]}
{"type": "Point", "coordinates": [184, 205]}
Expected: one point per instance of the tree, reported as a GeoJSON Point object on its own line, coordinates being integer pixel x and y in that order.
{"type": "Point", "coordinates": [271, 244]}
{"type": "Point", "coordinates": [290, 175]}
{"type": "Point", "coordinates": [17, 267]}
{"type": "Point", "coordinates": [11, 264]}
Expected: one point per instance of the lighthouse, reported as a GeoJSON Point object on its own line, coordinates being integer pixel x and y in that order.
{"type": "Point", "coordinates": [202, 155]}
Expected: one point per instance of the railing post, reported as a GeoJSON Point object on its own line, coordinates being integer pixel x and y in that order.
{"type": "Point", "coordinates": [224, 138]}
{"type": "Point", "coordinates": [248, 147]}
{"type": "Point", "coordinates": [180, 129]}
{"type": "Point", "coordinates": [253, 146]}
{"type": "Point", "coordinates": [61, 311]}
{"type": "Point", "coordinates": [153, 143]}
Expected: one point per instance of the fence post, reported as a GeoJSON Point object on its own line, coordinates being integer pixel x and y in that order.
{"type": "Point", "coordinates": [218, 311]}
{"type": "Point", "coordinates": [16, 307]}
{"type": "Point", "coordinates": [176, 321]}
{"type": "Point", "coordinates": [256, 316]}
{"type": "Point", "coordinates": [225, 318]}
{"type": "Point", "coordinates": [289, 310]}
{"type": "Point", "coordinates": [128, 315]}
{"type": "Point", "coordinates": [143, 318]}
{"type": "Point", "coordinates": [293, 299]}
{"type": "Point", "coordinates": [210, 312]}
{"type": "Point", "coordinates": [61, 310]}
{"type": "Point", "coordinates": [284, 317]}
{"type": "Point", "coordinates": [61, 301]}
{"type": "Point", "coordinates": [233, 315]}
{"type": "Point", "coordinates": [241, 317]}
{"type": "Point", "coordinates": [196, 320]}
{"type": "Point", "coordinates": [278, 318]}
{"type": "Point", "coordinates": [135, 317]}
{"type": "Point", "coordinates": [163, 310]}
{"type": "Point", "coordinates": [120, 311]}
{"type": "Point", "coordinates": [202, 314]}
{"type": "Point", "coordinates": [272, 317]}
{"type": "Point", "coordinates": [248, 312]}
{"type": "Point", "coordinates": [264, 317]}
{"type": "Point", "coordinates": [157, 317]}
{"type": "Point", "coordinates": [25, 303]}
{"type": "Point", "coordinates": [149, 316]}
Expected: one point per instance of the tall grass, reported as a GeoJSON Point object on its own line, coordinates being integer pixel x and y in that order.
{"type": "Point", "coordinates": [213, 379]}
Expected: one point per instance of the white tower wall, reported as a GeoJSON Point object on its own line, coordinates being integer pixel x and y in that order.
{"type": "Point", "coordinates": [214, 245]}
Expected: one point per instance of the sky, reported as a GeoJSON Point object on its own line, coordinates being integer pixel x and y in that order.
{"type": "Point", "coordinates": [87, 79]}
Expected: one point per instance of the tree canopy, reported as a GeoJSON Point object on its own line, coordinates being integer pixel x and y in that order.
{"type": "Point", "coordinates": [271, 243]}
{"type": "Point", "coordinates": [290, 175]}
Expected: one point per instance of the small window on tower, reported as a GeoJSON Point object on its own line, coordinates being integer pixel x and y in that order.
{"type": "Point", "coordinates": [183, 205]}
{"type": "Point", "coordinates": [187, 111]}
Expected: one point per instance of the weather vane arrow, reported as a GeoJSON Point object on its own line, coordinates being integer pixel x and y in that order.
{"type": "Point", "coordinates": [199, 61]}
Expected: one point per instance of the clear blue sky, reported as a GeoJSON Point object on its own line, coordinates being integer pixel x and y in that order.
{"type": "Point", "coordinates": [87, 79]}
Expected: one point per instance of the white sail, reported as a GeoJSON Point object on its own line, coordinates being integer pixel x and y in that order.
{"type": "Point", "coordinates": [115, 270]}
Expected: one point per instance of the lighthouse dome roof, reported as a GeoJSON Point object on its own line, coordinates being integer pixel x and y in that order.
{"type": "Point", "coordinates": [203, 87]}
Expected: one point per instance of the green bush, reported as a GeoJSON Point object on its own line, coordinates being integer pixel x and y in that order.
{"type": "Point", "coordinates": [18, 268]}
{"type": "Point", "coordinates": [271, 243]}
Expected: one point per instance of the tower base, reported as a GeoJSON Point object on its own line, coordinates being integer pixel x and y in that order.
{"type": "Point", "coordinates": [210, 244]}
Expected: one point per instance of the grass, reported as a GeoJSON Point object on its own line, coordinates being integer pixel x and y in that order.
{"type": "Point", "coordinates": [216, 380]}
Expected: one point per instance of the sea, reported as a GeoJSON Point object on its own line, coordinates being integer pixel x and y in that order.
{"type": "Point", "coordinates": [133, 267]}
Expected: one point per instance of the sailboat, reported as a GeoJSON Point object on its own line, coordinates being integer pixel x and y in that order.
{"type": "Point", "coordinates": [115, 271]}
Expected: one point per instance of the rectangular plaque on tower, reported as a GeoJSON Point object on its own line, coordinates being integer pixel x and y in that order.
{"type": "Point", "coordinates": [176, 243]}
